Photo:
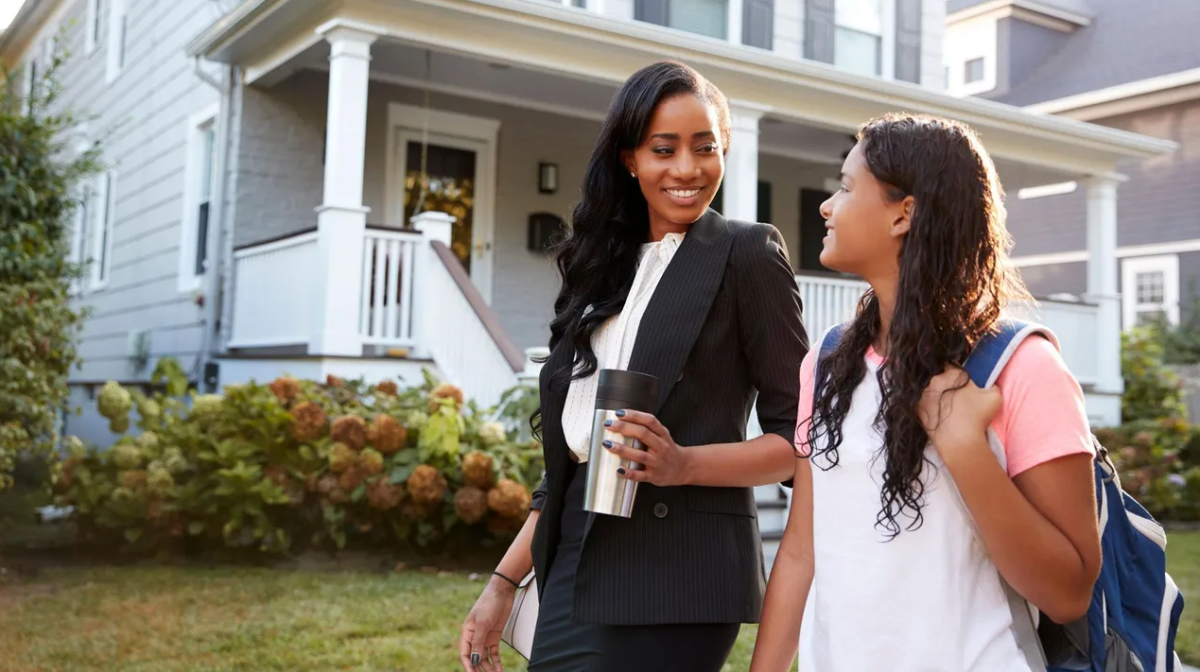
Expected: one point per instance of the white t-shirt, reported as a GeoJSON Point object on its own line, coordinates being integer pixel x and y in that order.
{"type": "Point", "coordinates": [929, 600]}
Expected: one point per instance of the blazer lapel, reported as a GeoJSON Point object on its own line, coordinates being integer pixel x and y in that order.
{"type": "Point", "coordinates": [681, 302]}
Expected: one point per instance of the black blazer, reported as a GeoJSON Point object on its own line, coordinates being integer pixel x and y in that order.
{"type": "Point", "coordinates": [723, 324]}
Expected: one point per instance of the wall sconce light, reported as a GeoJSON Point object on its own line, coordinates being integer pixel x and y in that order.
{"type": "Point", "coordinates": [547, 178]}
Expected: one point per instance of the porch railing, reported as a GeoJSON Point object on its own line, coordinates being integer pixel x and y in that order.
{"type": "Point", "coordinates": [386, 317]}
{"type": "Point", "coordinates": [829, 300]}
{"type": "Point", "coordinates": [273, 299]}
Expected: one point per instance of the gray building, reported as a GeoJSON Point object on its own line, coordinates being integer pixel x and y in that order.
{"type": "Point", "coordinates": [1131, 66]}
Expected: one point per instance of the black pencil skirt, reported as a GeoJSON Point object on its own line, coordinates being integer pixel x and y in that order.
{"type": "Point", "coordinates": [561, 645]}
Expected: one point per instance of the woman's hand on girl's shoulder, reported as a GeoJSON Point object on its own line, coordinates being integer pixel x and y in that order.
{"type": "Point", "coordinates": [955, 411]}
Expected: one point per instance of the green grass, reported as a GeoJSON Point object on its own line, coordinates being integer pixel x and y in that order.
{"type": "Point", "coordinates": [1183, 564]}
{"type": "Point", "coordinates": [191, 619]}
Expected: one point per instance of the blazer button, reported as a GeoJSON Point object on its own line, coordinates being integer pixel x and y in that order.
{"type": "Point", "coordinates": [660, 510]}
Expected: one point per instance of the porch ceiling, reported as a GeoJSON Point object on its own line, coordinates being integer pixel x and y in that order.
{"type": "Point", "coordinates": [570, 59]}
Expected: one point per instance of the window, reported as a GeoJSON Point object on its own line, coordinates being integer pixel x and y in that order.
{"type": "Point", "coordinates": [103, 212]}
{"type": "Point", "coordinates": [701, 17]}
{"type": "Point", "coordinates": [92, 29]}
{"type": "Point", "coordinates": [973, 71]}
{"type": "Point", "coordinates": [198, 195]}
{"type": "Point", "coordinates": [117, 38]}
{"type": "Point", "coordinates": [1150, 290]}
{"type": "Point", "coordinates": [858, 36]}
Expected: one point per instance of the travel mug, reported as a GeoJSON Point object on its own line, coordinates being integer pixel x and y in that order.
{"type": "Point", "coordinates": [607, 491]}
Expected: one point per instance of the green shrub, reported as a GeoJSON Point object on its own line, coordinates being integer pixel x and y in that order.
{"type": "Point", "coordinates": [1151, 390]}
{"type": "Point", "coordinates": [1158, 462]}
{"type": "Point", "coordinates": [267, 468]}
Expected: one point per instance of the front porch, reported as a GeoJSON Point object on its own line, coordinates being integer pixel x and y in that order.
{"type": "Point", "coordinates": [362, 98]}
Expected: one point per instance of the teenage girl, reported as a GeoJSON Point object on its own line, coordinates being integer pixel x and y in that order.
{"type": "Point", "coordinates": [904, 525]}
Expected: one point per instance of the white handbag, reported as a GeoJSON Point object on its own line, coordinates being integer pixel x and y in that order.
{"type": "Point", "coordinates": [522, 621]}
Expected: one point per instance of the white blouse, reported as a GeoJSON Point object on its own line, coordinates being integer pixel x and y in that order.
{"type": "Point", "coordinates": [614, 341]}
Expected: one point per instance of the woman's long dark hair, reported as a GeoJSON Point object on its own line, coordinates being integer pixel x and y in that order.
{"type": "Point", "coordinates": [598, 258]}
{"type": "Point", "coordinates": [954, 282]}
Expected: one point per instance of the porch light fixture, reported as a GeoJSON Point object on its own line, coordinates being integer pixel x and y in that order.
{"type": "Point", "coordinates": [547, 177]}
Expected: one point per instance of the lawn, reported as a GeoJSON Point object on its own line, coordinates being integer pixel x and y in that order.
{"type": "Point", "coordinates": [194, 619]}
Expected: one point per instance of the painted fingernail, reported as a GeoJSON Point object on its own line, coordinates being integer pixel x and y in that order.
{"type": "Point", "coordinates": [608, 444]}
{"type": "Point", "coordinates": [608, 423]}
{"type": "Point", "coordinates": [621, 470]}
{"type": "Point", "coordinates": [475, 659]}
{"type": "Point", "coordinates": [620, 414]}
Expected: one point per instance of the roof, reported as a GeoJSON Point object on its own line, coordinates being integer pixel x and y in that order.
{"type": "Point", "coordinates": [1072, 6]}
{"type": "Point", "coordinates": [1124, 43]}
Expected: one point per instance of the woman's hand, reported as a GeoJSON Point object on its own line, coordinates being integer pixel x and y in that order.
{"type": "Point", "coordinates": [479, 643]}
{"type": "Point", "coordinates": [955, 411]}
{"type": "Point", "coordinates": [662, 462]}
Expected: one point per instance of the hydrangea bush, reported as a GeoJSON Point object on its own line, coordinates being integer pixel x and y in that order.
{"type": "Point", "coordinates": [298, 464]}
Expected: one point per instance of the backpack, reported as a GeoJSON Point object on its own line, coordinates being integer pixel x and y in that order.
{"type": "Point", "coordinates": [1136, 606]}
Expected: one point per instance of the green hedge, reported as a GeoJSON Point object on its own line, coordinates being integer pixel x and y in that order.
{"type": "Point", "coordinates": [297, 464]}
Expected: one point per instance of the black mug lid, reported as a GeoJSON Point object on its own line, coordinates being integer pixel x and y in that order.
{"type": "Point", "coordinates": [626, 389]}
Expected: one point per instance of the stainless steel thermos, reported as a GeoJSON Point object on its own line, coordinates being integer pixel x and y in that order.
{"type": "Point", "coordinates": [607, 491]}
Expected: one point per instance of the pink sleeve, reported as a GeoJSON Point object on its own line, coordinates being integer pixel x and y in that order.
{"type": "Point", "coordinates": [1042, 417]}
{"type": "Point", "coordinates": [804, 413]}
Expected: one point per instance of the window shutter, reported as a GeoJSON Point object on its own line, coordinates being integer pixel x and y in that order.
{"type": "Point", "coordinates": [908, 41]}
{"type": "Point", "coordinates": [651, 11]}
{"type": "Point", "coordinates": [819, 30]}
{"type": "Point", "coordinates": [758, 23]}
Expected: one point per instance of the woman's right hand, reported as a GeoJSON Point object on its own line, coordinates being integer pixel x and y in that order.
{"type": "Point", "coordinates": [479, 644]}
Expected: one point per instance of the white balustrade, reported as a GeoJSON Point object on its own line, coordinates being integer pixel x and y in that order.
{"type": "Point", "coordinates": [827, 301]}
{"type": "Point", "coordinates": [386, 317]}
{"type": "Point", "coordinates": [831, 300]}
{"type": "Point", "coordinates": [1075, 324]}
{"type": "Point", "coordinates": [273, 294]}
{"type": "Point", "coordinates": [461, 345]}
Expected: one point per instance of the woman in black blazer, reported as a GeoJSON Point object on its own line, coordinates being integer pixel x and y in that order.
{"type": "Point", "coordinates": [716, 318]}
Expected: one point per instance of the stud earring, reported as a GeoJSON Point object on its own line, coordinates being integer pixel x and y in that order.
{"type": "Point", "coordinates": [633, 175]}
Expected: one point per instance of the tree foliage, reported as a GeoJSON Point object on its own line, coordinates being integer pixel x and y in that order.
{"type": "Point", "coordinates": [40, 172]}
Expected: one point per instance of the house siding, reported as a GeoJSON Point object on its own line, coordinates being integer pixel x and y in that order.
{"type": "Point", "coordinates": [1048, 224]}
{"type": "Point", "coordinates": [933, 30]}
{"type": "Point", "coordinates": [140, 119]}
{"type": "Point", "coordinates": [789, 28]}
{"type": "Point", "coordinates": [1160, 202]}
{"type": "Point", "coordinates": [1021, 48]}
{"type": "Point", "coordinates": [1055, 278]}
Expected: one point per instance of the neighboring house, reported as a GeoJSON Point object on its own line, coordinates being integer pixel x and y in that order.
{"type": "Point", "coordinates": [1116, 63]}
{"type": "Point", "coordinates": [267, 156]}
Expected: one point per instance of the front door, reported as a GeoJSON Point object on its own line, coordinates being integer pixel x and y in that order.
{"type": "Point", "coordinates": [451, 182]}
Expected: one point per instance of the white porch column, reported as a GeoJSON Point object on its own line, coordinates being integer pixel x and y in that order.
{"type": "Point", "coordinates": [434, 226]}
{"type": "Point", "coordinates": [741, 163]}
{"type": "Point", "coordinates": [1102, 280]}
{"type": "Point", "coordinates": [342, 218]}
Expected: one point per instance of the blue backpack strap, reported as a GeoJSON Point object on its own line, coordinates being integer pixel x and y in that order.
{"type": "Point", "coordinates": [828, 344]}
{"type": "Point", "coordinates": [995, 349]}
